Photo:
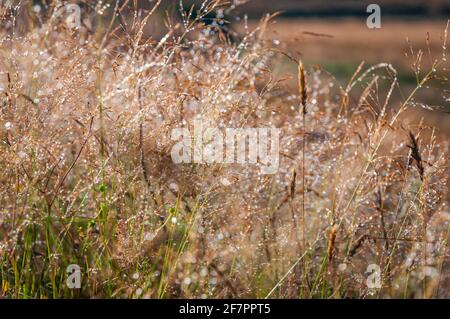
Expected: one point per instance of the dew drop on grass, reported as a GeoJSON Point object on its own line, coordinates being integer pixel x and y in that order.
{"type": "Point", "coordinates": [187, 281]}
{"type": "Point", "coordinates": [8, 126]}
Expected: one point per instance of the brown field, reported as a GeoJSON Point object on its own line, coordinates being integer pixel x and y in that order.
{"type": "Point", "coordinates": [349, 40]}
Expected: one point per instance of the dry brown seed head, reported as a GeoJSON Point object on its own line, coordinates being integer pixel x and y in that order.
{"type": "Point", "coordinates": [302, 86]}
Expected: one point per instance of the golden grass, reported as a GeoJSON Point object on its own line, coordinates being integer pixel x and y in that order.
{"type": "Point", "coordinates": [87, 178]}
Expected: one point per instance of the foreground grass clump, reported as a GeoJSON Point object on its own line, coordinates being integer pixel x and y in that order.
{"type": "Point", "coordinates": [87, 178]}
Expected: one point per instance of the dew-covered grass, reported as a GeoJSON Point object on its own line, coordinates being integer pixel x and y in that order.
{"type": "Point", "coordinates": [87, 178]}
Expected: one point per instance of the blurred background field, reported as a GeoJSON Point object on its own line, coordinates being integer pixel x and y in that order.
{"type": "Point", "coordinates": [334, 34]}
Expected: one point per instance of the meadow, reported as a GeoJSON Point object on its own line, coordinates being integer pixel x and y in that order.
{"type": "Point", "coordinates": [358, 208]}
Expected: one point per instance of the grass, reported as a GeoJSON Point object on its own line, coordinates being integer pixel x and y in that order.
{"type": "Point", "coordinates": [85, 122]}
